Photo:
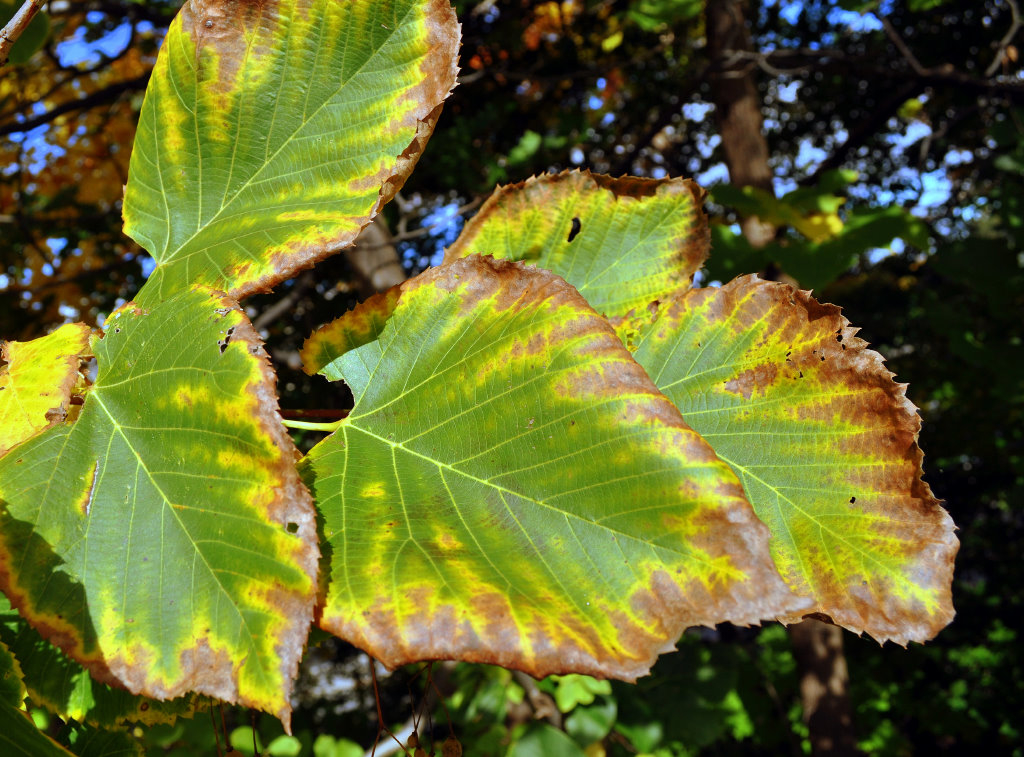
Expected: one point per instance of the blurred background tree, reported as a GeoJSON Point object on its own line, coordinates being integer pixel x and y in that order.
{"type": "Point", "coordinates": [871, 150]}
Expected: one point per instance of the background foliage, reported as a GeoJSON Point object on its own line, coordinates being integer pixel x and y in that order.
{"type": "Point", "coordinates": [917, 237]}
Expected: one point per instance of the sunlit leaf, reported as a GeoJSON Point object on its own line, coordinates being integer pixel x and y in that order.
{"type": "Point", "coordinates": [272, 132]}
{"type": "Point", "coordinates": [824, 442]}
{"type": "Point", "coordinates": [36, 383]}
{"type": "Point", "coordinates": [511, 488]}
{"type": "Point", "coordinates": [621, 242]}
{"type": "Point", "coordinates": [164, 540]}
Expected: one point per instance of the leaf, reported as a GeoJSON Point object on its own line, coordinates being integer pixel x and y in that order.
{"type": "Point", "coordinates": [96, 742]}
{"type": "Point", "coordinates": [19, 736]}
{"type": "Point", "coordinates": [65, 688]}
{"type": "Point", "coordinates": [825, 443]}
{"type": "Point", "coordinates": [510, 488]}
{"type": "Point", "coordinates": [621, 242]}
{"type": "Point", "coordinates": [36, 383]}
{"type": "Point", "coordinates": [312, 114]}
{"type": "Point", "coordinates": [12, 686]}
{"type": "Point", "coordinates": [164, 540]}
{"type": "Point", "coordinates": [543, 739]}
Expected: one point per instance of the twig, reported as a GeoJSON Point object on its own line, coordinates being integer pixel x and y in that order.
{"type": "Point", "coordinates": [286, 303]}
{"type": "Point", "coordinates": [1004, 43]}
{"type": "Point", "coordinates": [96, 98]}
{"type": "Point", "coordinates": [10, 33]}
{"type": "Point", "coordinates": [902, 47]}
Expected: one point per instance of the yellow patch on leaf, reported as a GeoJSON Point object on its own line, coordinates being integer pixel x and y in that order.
{"type": "Point", "coordinates": [37, 382]}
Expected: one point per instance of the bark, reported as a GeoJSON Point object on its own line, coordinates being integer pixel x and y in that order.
{"type": "Point", "coordinates": [738, 109]}
{"type": "Point", "coordinates": [817, 647]}
{"type": "Point", "coordinates": [374, 258]}
{"type": "Point", "coordinates": [824, 687]}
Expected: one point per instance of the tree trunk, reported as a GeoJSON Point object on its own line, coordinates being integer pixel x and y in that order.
{"type": "Point", "coordinates": [817, 647]}
{"type": "Point", "coordinates": [738, 109]}
{"type": "Point", "coordinates": [374, 258]}
{"type": "Point", "coordinates": [824, 687]}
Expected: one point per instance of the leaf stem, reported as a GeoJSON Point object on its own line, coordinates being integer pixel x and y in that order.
{"type": "Point", "coordinates": [313, 426]}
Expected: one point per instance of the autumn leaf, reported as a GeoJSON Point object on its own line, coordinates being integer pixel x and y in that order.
{"type": "Point", "coordinates": [164, 540]}
{"type": "Point", "coordinates": [65, 688]}
{"type": "Point", "coordinates": [37, 381]}
{"type": "Point", "coordinates": [824, 442]}
{"type": "Point", "coordinates": [511, 488]}
{"type": "Point", "coordinates": [273, 132]}
{"type": "Point", "coordinates": [621, 242]}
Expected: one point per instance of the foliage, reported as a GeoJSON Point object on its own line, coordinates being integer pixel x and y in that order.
{"type": "Point", "coordinates": [551, 150]}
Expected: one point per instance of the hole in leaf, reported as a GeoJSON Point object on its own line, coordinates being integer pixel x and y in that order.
{"type": "Point", "coordinates": [853, 500]}
{"type": "Point", "coordinates": [839, 336]}
{"type": "Point", "coordinates": [292, 528]}
{"type": "Point", "coordinates": [575, 230]}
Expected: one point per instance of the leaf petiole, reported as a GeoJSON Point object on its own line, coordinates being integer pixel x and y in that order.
{"type": "Point", "coordinates": [313, 426]}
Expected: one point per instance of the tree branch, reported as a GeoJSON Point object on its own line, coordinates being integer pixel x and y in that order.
{"type": "Point", "coordinates": [10, 33]}
{"type": "Point", "coordinates": [105, 95]}
{"type": "Point", "coordinates": [1004, 43]}
{"type": "Point", "coordinates": [908, 56]}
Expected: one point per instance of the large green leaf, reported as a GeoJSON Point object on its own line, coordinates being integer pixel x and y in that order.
{"type": "Point", "coordinates": [272, 132]}
{"type": "Point", "coordinates": [621, 242]}
{"type": "Point", "coordinates": [824, 441]}
{"type": "Point", "coordinates": [511, 488]}
{"type": "Point", "coordinates": [164, 540]}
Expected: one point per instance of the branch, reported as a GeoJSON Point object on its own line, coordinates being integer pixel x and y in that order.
{"type": "Point", "coordinates": [1004, 43]}
{"type": "Point", "coordinates": [902, 47]}
{"type": "Point", "coordinates": [10, 33]}
{"type": "Point", "coordinates": [107, 94]}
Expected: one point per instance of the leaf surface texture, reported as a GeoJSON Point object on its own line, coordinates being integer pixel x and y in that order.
{"type": "Point", "coordinates": [511, 488]}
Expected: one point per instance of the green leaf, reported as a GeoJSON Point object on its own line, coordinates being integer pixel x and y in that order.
{"type": "Point", "coordinates": [65, 688]}
{"type": "Point", "coordinates": [272, 132]}
{"type": "Point", "coordinates": [825, 443]}
{"type": "Point", "coordinates": [510, 488]}
{"type": "Point", "coordinates": [36, 383]}
{"type": "Point", "coordinates": [621, 242]}
{"type": "Point", "coordinates": [19, 736]}
{"type": "Point", "coordinates": [95, 742]}
{"type": "Point", "coordinates": [164, 540]}
{"type": "Point", "coordinates": [541, 740]}
{"type": "Point", "coordinates": [12, 686]}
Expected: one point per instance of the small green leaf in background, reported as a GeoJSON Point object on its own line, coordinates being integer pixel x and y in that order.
{"type": "Point", "coordinates": [510, 488]}
{"type": "Point", "coordinates": [36, 382]}
{"type": "Point", "coordinates": [591, 723]}
{"type": "Point", "coordinates": [199, 570]}
{"type": "Point", "coordinates": [621, 242]}
{"type": "Point", "coordinates": [544, 740]}
{"type": "Point", "coordinates": [311, 114]}
{"type": "Point", "coordinates": [825, 443]}
{"type": "Point", "coordinates": [573, 690]}
{"type": "Point", "coordinates": [328, 746]}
